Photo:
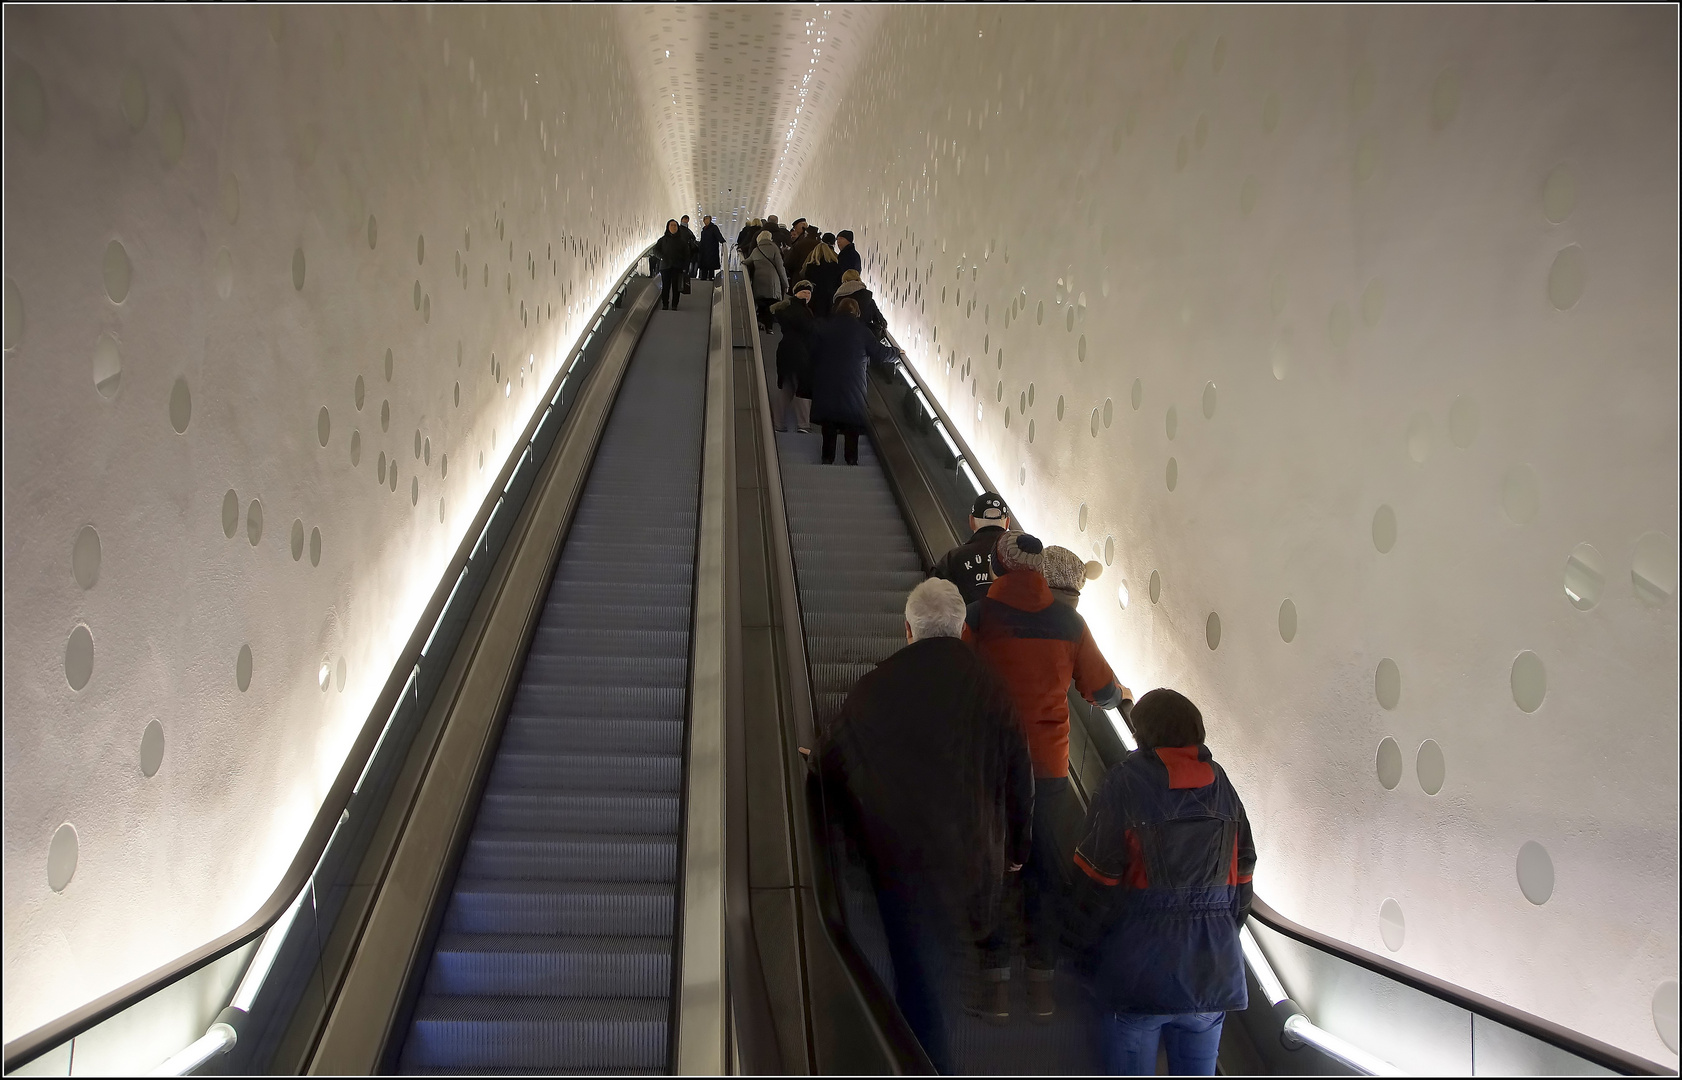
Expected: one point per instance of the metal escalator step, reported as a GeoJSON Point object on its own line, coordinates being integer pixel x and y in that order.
{"type": "Point", "coordinates": [571, 609]}
{"type": "Point", "coordinates": [632, 702]}
{"type": "Point", "coordinates": [482, 1033]}
{"type": "Point", "coordinates": [545, 907]}
{"type": "Point", "coordinates": [529, 731]}
{"type": "Point", "coordinates": [609, 641]}
{"type": "Point", "coordinates": [643, 772]}
{"type": "Point", "coordinates": [841, 677]}
{"type": "Point", "coordinates": [515, 809]}
{"type": "Point", "coordinates": [615, 671]}
{"type": "Point", "coordinates": [551, 965]}
{"type": "Point", "coordinates": [623, 569]}
{"type": "Point", "coordinates": [571, 857]}
{"type": "Point", "coordinates": [823, 624]}
{"type": "Point", "coordinates": [602, 528]}
{"type": "Point", "coordinates": [856, 553]}
{"type": "Point", "coordinates": [824, 579]}
{"type": "Point", "coordinates": [868, 649]}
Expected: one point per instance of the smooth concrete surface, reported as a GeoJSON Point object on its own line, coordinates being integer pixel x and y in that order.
{"type": "Point", "coordinates": [1333, 333]}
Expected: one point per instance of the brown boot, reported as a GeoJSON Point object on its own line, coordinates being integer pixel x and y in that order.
{"type": "Point", "coordinates": [1042, 998]}
{"type": "Point", "coordinates": [991, 1001]}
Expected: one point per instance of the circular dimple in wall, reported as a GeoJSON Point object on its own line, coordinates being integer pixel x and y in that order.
{"type": "Point", "coordinates": [1535, 873]}
{"type": "Point", "coordinates": [420, 249]}
{"type": "Point", "coordinates": [380, 474]}
{"type": "Point", "coordinates": [180, 405]}
{"type": "Point", "coordinates": [78, 657]}
{"type": "Point", "coordinates": [1288, 621]}
{"type": "Point", "coordinates": [1039, 313]}
{"type": "Point", "coordinates": [339, 675]}
{"type": "Point", "coordinates": [1096, 421]}
{"type": "Point", "coordinates": [417, 294]}
{"type": "Point", "coordinates": [1156, 587]}
{"type": "Point", "coordinates": [1389, 763]}
{"type": "Point", "coordinates": [1384, 529]}
{"type": "Point", "coordinates": [315, 547]}
{"type": "Point", "coordinates": [118, 272]}
{"type": "Point", "coordinates": [1585, 576]}
{"type": "Point", "coordinates": [107, 366]}
{"type": "Point", "coordinates": [85, 557]}
{"type": "Point", "coordinates": [1172, 422]}
{"type": "Point", "coordinates": [443, 465]}
{"type": "Point", "coordinates": [242, 669]}
{"type": "Point", "coordinates": [61, 857]}
{"type": "Point", "coordinates": [1212, 631]}
{"type": "Point", "coordinates": [1080, 346]}
{"type": "Point", "coordinates": [1209, 401]}
{"type": "Point", "coordinates": [388, 365]}
{"type": "Point", "coordinates": [1419, 437]}
{"type": "Point", "coordinates": [224, 273]}
{"type": "Point", "coordinates": [440, 511]}
{"type": "Point", "coordinates": [1387, 684]}
{"type": "Point", "coordinates": [1109, 412]}
{"type": "Point", "coordinates": [1653, 568]}
{"type": "Point", "coordinates": [417, 443]}
{"type": "Point", "coordinates": [151, 749]}
{"type": "Point", "coordinates": [1391, 926]}
{"type": "Point", "coordinates": [1173, 474]}
{"type": "Point", "coordinates": [456, 394]}
{"type": "Point", "coordinates": [324, 673]}
{"type": "Point", "coordinates": [1429, 767]}
{"type": "Point", "coordinates": [1559, 194]}
{"type": "Point", "coordinates": [355, 448]}
{"type": "Point", "coordinates": [426, 451]}
{"type": "Point", "coordinates": [385, 416]}
{"type": "Point", "coordinates": [323, 426]}
{"type": "Point", "coordinates": [1109, 550]}
{"type": "Point", "coordinates": [373, 231]}
{"type": "Point", "coordinates": [1567, 278]}
{"type": "Point", "coordinates": [1030, 431]}
{"type": "Point", "coordinates": [361, 393]}
{"type": "Point", "coordinates": [414, 491]}
{"type": "Point", "coordinates": [1664, 1013]}
{"type": "Point", "coordinates": [1081, 518]}
{"type": "Point", "coordinates": [254, 522]}
{"type": "Point", "coordinates": [1030, 393]}
{"type": "Point", "coordinates": [298, 268]}
{"type": "Point", "coordinates": [230, 513]}
{"type": "Point", "coordinates": [1280, 355]}
{"type": "Point", "coordinates": [1529, 681]}
{"type": "Point", "coordinates": [1138, 393]}
{"type": "Point", "coordinates": [1463, 421]}
{"type": "Point", "coordinates": [1059, 406]}
{"type": "Point", "coordinates": [1519, 495]}
{"type": "Point", "coordinates": [297, 544]}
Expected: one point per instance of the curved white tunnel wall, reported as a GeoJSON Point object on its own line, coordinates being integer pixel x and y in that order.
{"type": "Point", "coordinates": [1373, 311]}
{"type": "Point", "coordinates": [220, 224]}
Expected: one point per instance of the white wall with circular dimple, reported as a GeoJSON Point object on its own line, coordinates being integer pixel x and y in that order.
{"type": "Point", "coordinates": [219, 225]}
{"type": "Point", "coordinates": [1371, 310]}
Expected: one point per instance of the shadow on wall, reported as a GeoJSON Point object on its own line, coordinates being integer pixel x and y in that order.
{"type": "Point", "coordinates": [1283, 316]}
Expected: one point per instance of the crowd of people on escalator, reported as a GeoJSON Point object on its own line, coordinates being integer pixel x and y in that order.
{"type": "Point", "coordinates": [949, 765]}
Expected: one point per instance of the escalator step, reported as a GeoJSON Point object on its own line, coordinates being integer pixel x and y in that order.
{"type": "Point", "coordinates": [531, 732]}
{"type": "Point", "coordinates": [552, 856]}
{"type": "Point", "coordinates": [552, 1033]}
{"type": "Point", "coordinates": [574, 610]}
{"type": "Point", "coordinates": [644, 772]}
{"type": "Point", "coordinates": [514, 809]}
{"type": "Point", "coordinates": [629, 702]}
{"type": "Point", "coordinates": [551, 964]}
{"type": "Point", "coordinates": [483, 906]}
{"type": "Point", "coordinates": [609, 671]}
{"type": "Point", "coordinates": [610, 641]}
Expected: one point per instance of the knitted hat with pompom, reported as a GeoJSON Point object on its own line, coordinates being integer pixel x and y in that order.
{"type": "Point", "coordinates": [1020, 551]}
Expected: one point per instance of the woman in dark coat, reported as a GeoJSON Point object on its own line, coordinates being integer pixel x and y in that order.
{"type": "Point", "coordinates": [868, 311]}
{"type": "Point", "coordinates": [842, 349]}
{"type": "Point", "coordinates": [794, 358]}
{"type": "Point", "coordinates": [823, 270]}
{"type": "Point", "coordinates": [711, 238]}
{"type": "Point", "coordinates": [673, 251]}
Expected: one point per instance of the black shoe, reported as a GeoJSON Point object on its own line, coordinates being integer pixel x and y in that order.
{"type": "Point", "coordinates": [665, 307]}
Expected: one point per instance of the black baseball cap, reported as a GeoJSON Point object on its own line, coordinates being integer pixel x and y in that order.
{"type": "Point", "coordinates": [989, 507]}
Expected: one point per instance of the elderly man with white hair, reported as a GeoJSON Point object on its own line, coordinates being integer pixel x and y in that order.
{"type": "Point", "coordinates": [929, 770]}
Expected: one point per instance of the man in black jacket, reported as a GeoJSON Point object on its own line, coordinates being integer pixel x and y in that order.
{"type": "Point", "coordinates": [847, 253]}
{"type": "Point", "coordinates": [694, 250]}
{"type": "Point", "coordinates": [927, 770]}
{"type": "Point", "coordinates": [969, 565]}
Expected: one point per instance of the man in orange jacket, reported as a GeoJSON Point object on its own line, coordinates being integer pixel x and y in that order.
{"type": "Point", "coordinates": [1037, 646]}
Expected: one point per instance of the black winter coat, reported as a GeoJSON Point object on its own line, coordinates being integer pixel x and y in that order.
{"type": "Point", "coordinates": [969, 566]}
{"type": "Point", "coordinates": [929, 771]}
{"type": "Point", "coordinates": [850, 259]}
{"type": "Point", "coordinates": [794, 351]}
{"type": "Point", "coordinates": [825, 278]}
{"type": "Point", "coordinates": [868, 311]}
{"type": "Point", "coordinates": [840, 351]}
{"type": "Point", "coordinates": [673, 249]}
{"type": "Point", "coordinates": [745, 239]}
{"type": "Point", "coordinates": [711, 238]}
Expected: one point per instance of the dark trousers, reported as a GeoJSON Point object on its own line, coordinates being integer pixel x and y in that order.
{"type": "Point", "coordinates": [1044, 880]}
{"type": "Point", "coordinates": [671, 285]}
{"type": "Point", "coordinates": [921, 940]}
{"type": "Point", "coordinates": [851, 431]}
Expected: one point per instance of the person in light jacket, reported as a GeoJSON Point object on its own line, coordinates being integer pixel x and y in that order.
{"type": "Point", "coordinates": [770, 280]}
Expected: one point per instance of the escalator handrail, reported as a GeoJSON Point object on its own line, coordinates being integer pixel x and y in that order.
{"type": "Point", "coordinates": [1555, 1035]}
{"type": "Point", "coordinates": [889, 1023]}
{"type": "Point", "coordinates": [31, 1045]}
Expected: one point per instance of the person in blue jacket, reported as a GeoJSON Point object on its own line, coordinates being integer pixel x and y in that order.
{"type": "Point", "coordinates": [1164, 889]}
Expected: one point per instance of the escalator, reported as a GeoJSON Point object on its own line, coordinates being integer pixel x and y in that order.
{"type": "Point", "coordinates": [556, 949]}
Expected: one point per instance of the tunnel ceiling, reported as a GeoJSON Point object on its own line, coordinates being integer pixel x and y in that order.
{"type": "Point", "coordinates": [740, 95]}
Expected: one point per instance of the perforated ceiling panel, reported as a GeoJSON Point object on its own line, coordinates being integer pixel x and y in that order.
{"type": "Point", "coordinates": [740, 95]}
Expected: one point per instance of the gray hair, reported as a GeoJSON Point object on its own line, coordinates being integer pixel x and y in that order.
{"type": "Point", "coordinates": [935, 609]}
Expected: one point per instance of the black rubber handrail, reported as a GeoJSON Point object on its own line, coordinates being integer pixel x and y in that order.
{"type": "Point", "coordinates": [1573, 1042]}
{"type": "Point", "coordinates": [26, 1048]}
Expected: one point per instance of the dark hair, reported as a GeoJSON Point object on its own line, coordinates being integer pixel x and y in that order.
{"type": "Point", "coordinates": [1167, 718]}
{"type": "Point", "coordinates": [847, 306]}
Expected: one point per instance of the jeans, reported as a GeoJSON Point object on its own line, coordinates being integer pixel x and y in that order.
{"type": "Point", "coordinates": [830, 431]}
{"type": "Point", "coordinates": [921, 941]}
{"type": "Point", "coordinates": [1044, 880]}
{"type": "Point", "coordinates": [1193, 1040]}
{"type": "Point", "coordinates": [671, 285]}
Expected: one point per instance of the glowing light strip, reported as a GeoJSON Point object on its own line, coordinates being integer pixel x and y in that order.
{"type": "Point", "coordinates": [1299, 1027]}
{"type": "Point", "coordinates": [219, 1039]}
